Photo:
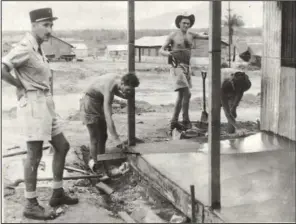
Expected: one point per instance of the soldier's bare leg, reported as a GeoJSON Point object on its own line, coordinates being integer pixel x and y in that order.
{"type": "Point", "coordinates": [177, 109]}
{"type": "Point", "coordinates": [185, 108]}
{"type": "Point", "coordinates": [61, 148]}
{"type": "Point", "coordinates": [32, 208]}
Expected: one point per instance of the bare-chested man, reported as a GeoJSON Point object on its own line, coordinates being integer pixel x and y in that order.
{"type": "Point", "coordinates": [181, 42]}
{"type": "Point", "coordinates": [96, 111]}
{"type": "Point", "coordinates": [232, 90]}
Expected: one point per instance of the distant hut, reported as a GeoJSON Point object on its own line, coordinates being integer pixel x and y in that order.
{"type": "Point", "coordinates": [116, 51]}
{"type": "Point", "coordinates": [150, 46]}
{"type": "Point", "coordinates": [56, 48]}
{"type": "Point", "coordinates": [250, 52]}
{"type": "Point", "coordinates": [81, 50]}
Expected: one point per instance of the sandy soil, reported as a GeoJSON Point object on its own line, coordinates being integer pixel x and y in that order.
{"type": "Point", "coordinates": [152, 118]}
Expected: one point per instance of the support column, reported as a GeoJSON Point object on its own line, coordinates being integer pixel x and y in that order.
{"type": "Point", "coordinates": [131, 69]}
{"type": "Point", "coordinates": [215, 102]}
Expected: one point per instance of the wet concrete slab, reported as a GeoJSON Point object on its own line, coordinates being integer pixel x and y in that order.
{"type": "Point", "coordinates": [257, 176]}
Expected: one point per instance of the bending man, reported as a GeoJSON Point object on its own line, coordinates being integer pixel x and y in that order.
{"type": "Point", "coordinates": [96, 110]}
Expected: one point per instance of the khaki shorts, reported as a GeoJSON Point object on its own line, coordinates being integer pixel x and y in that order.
{"type": "Point", "coordinates": [181, 77]}
{"type": "Point", "coordinates": [37, 117]}
{"type": "Point", "coordinates": [91, 110]}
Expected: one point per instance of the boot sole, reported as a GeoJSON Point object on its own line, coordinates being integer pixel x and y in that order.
{"type": "Point", "coordinates": [31, 216]}
{"type": "Point", "coordinates": [61, 203]}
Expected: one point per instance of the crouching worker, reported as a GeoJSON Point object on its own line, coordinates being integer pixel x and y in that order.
{"type": "Point", "coordinates": [96, 111]}
{"type": "Point", "coordinates": [232, 91]}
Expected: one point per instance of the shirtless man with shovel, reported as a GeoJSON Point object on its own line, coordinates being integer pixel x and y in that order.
{"type": "Point", "coordinates": [181, 42]}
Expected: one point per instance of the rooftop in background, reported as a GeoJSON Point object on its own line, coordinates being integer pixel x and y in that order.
{"type": "Point", "coordinates": [119, 47]}
{"type": "Point", "coordinates": [158, 41]}
{"type": "Point", "coordinates": [80, 46]}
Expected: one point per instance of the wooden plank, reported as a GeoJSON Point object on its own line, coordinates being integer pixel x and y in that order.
{"type": "Point", "coordinates": [21, 152]}
{"type": "Point", "coordinates": [111, 156]}
{"type": "Point", "coordinates": [170, 190]}
{"type": "Point", "coordinates": [105, 188]}
{"type": "Point", "coordinates": [69, 168]}
{"type": "Point", "coordinates": [18, 181]}
{"type": "Point", "coordinates": [131, 69]}
{"type": "Point", "coordinates": [126, 217]}
{"type": "Point", "coordinates": [215, 102]}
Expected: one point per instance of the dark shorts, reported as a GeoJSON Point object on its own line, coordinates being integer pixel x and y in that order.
{"type": "Point", "coordinates": [91, 110]}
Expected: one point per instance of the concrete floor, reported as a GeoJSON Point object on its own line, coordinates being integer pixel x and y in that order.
{"type": "Point", "coordinates": [257, 175]}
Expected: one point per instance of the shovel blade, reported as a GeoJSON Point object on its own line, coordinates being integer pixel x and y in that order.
{"type": "Point", "coordinates": [203, 123]}
{"type": "Point", "coordinates": [204, 117]}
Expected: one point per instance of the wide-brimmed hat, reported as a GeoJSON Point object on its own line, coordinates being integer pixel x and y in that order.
{"type": "Point", "coordinates": [184, 16]}
{"type": "Point", "coordinates": [43, 14]}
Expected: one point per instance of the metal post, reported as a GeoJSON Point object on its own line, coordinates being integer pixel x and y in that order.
{"type": "Point", "coordinates": [229, 36]}
{"type": "Point", "coordinates": [131, 69]}
{"type": "Point", "coordinates": [214, 102]}
{"type": "Point", "coordinates": [193, 216]}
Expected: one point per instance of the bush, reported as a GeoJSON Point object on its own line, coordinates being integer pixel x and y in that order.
{"type": "Point", "coordinates": [224, 65]}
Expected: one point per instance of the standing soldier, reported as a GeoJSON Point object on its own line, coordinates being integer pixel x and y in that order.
{"type": "Point", "coordinates": [181, 42]}
{"type": "Point", "coordinates": [36, 112]}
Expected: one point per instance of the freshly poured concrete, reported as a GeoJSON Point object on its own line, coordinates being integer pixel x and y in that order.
{"type": "Point", "coordinates": [257, 175]}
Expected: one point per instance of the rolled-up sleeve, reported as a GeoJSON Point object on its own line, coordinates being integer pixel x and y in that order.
{"type": "Point", "coordinates": [18, 56]}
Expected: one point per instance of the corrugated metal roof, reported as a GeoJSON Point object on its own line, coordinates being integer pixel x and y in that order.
{"type": "Point", "coordinates": [119, 47]}
{"type": "Point", "coordinates": [71, 40]}
{"type": "Point", "coordinates": [157, 41]}
{"type": "Point", "coordinates": [80, 46]}
{"type": "Point", "coordinates": [151, 41]}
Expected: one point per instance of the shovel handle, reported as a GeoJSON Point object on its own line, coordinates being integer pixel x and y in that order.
{"type": "Point", "coordinates": [204, 76]}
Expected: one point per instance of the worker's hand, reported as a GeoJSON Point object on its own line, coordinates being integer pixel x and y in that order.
{"type": "Point", "coordinates": [241, 132]}
{"type": "Point", "coordinates": [120, 144]}
{"type": "Point", "coordinates": [233, 112]}
{"type": "Point", "coordinates": [20, 92]}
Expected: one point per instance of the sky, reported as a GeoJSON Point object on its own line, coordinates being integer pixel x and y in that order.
{"type": "Point", "coordinates": [111, 14]}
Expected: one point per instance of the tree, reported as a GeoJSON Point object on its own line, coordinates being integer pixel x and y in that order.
{"type": "Point", "coordinates": [232, 21]}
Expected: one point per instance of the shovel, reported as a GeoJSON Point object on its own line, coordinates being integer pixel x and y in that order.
{"type": "Point", "coordinates": [204, 115]}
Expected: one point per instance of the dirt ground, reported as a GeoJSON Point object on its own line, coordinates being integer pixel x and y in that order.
{"type": "Point", "coordinates": [154, 105]}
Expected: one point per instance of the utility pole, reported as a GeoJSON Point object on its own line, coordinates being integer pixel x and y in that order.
{"type": "Point", "coordinates": [229, 35]}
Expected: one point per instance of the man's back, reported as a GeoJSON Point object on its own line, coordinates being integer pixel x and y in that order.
{"type": "Point", "coordinates": [102, 84]}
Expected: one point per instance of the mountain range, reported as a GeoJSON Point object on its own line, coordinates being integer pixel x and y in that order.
{"type": "Point", "coordinates": [113, 15]}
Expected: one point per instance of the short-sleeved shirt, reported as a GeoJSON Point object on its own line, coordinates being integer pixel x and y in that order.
{"type": "Point", "coordinates": [30, 67]}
